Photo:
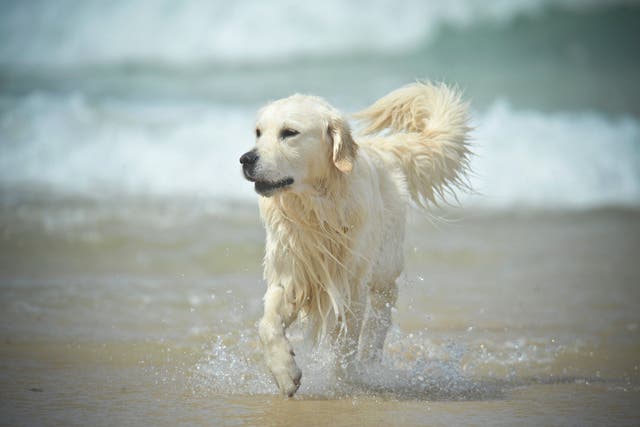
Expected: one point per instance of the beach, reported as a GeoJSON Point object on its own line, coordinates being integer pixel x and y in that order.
{"type": "Point", "coordinates": [519, 318]}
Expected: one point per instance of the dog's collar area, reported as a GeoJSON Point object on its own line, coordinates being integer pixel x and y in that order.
{"type": "Point", "coordinates": [267, 188]}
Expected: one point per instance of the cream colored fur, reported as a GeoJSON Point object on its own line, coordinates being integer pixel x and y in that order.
{"type": "Point", "coordinates": [335, 234]}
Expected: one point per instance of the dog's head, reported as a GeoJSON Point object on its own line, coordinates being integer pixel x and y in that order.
{"type": "Point", "coordinates": [300, 142]}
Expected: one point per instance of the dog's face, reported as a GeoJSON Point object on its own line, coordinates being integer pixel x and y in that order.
{"type": "Point", "coordinates": [300, 141]}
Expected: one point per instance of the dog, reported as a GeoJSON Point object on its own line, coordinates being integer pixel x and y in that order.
{"type": "Point", "coordinates": [334, 209]}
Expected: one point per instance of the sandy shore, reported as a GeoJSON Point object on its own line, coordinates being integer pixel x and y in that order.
{"type": "Point", "coordinates": [149, 318]}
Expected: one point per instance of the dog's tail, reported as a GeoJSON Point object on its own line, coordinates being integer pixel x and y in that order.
{"type": "Point", "coordinates": [425, 127]}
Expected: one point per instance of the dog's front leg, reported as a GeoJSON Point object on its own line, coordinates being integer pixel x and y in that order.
{"type": "Point", "coordinates": [278, 315]}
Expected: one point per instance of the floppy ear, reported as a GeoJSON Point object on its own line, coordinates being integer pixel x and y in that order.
{"type": "Point", "coordinates": [344, 147]}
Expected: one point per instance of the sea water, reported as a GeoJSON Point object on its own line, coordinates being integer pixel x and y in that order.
{"type": "Point", "coordinates": [130, 245]}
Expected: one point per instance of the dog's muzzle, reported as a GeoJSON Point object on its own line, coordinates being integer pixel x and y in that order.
{"type": "Point", "coordinates": [265, 188]}
{"type": "Point", "coordinates": [249, 161]}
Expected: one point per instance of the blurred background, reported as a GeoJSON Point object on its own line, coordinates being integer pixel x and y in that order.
{"type": "Point", "coordinates": [131, 246]}
{"type": "Point", "coordinates": [157, 98]}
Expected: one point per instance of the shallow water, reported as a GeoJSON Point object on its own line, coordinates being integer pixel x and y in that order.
{"type": "Point", "coordinates": [501, 318]}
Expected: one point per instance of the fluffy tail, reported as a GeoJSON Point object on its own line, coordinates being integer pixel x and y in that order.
{"type": "Point", "coordinates": [425, 126]}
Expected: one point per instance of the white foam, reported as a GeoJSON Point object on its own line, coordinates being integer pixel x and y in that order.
{"type": "Point", "coordinates": [575, 160]}
{"type": "Point", "coordinates": [524, 158]}
{"type": "Point", "coordinates": [73, 146]}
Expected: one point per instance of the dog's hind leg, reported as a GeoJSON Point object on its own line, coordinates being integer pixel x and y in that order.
{"type": "Point", "coordinates": [345, 338]}
{"type": "Point", "coordinates": [382, 298]}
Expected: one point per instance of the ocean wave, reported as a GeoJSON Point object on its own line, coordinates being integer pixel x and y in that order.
{"type": "Point", "coordinates": [566, 160]}
{"type": "Point", "coordinates": [71, 33]}
{"type": "Point", "coordinates": [73, 145]}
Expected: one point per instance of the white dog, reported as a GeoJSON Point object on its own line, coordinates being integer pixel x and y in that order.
{"type": "Point", "coordinates": [334, 212]}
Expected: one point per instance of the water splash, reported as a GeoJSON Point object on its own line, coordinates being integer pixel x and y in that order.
{"type": "Point", "coordinates": [414, 367]}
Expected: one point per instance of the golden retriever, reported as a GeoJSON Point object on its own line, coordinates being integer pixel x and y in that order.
{"type": "Point", "coordinates": [334, 211]}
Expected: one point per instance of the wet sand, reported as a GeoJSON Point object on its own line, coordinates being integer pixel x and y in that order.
{"type": "Point", "coordinates": [147, 317]}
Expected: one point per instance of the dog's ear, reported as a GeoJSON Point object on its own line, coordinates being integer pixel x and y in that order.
{"type": "Point", "coordinates": [344, 147]}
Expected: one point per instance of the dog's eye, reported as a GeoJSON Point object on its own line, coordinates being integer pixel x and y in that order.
{"type": "Point", "coordinates": [288, 133]}
{"type": "Point", "coordinates": [258, 133]}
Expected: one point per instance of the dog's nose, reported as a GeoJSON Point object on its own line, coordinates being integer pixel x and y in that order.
{"type": "Point", "coordinates": [249, 158]}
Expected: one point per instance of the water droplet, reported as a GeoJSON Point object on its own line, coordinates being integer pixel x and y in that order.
{"type": "Point", "coordinates": [194, 300]}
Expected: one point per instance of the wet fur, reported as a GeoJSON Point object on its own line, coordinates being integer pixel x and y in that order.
{"type": "Point", "coordinates": [335, 237]}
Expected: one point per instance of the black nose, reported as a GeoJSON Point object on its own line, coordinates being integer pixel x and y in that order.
{"type": "Point", "coordinates": [249, 158]}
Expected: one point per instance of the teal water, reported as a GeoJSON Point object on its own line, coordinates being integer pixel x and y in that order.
{"type": "Point", "coordinates": [89, 111]}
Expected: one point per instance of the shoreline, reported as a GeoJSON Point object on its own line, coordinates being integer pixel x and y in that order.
{"type": "Point", "coordinates": [110, 312]}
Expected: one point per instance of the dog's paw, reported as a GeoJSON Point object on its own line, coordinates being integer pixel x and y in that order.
{"type": "Point", "coordinates": [286, 373]}
{"type": "Point", "coordinates": [289, 382]}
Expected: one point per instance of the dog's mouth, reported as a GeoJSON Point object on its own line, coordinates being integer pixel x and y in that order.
{"type": "Point", "coordinates": [267, 188]}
